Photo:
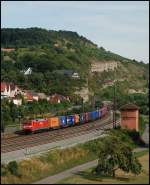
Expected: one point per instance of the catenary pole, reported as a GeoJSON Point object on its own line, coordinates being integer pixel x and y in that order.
{"type": "Point", "coordinates": [114, 102]}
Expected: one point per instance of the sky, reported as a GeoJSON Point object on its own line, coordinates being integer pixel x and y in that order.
{"type": "Point", "coordinates": [119, 26]}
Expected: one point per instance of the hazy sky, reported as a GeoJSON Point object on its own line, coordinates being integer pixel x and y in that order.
{"type": "Point", "coordinates": [121, 27]}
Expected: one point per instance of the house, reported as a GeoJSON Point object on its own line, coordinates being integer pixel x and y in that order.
{"type": "Point", "coordinates": [69, 73]}
{"type": "Point", "coordinates": [9, 90]}
{"type": "Point", "coordinates": [64, 72]}
{"type": "Point", "coordinates": [57, 98]}
{"type": "Point", "coordinates": [27, 71]}
{"type": "Point", "coordinates": [17, 101]}
{"type": "Point", "coordinates": [30, 95]}
{"type": "Point", "coordinates": [5, 90]}
{"type": "Point", "coordinates": [27, 96]}
{"type": "Point", "coordinates": [42, 96]}
{"type": "Point", "coordinates": [7, 49]}
{"type": "Point", "coordinates": [130, 116]}
{"type": "Point", "coordinates": [8, 58]}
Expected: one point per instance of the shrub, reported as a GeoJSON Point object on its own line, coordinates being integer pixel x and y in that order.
{"type": "Point", "coordinates": [13, 168]}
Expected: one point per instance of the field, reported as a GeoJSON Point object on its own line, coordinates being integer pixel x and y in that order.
{"type": "Point", "coordinates": [85, 177]}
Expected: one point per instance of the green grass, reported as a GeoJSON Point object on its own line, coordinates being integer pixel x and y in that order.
{"type": "Point", "coordinates": [85, 177]}
{"type": "Point", "coordinates": [140, 154]}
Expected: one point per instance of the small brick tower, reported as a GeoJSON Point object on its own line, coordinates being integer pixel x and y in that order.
{"type": "Point", "coordinates": [130, 116]}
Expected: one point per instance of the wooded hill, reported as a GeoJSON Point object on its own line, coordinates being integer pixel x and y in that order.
{"type": "Point", "coordinates": [46, 51]}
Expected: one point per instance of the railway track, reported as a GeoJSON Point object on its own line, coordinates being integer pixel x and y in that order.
{"type": "Point", "coordinates": [26, 141]}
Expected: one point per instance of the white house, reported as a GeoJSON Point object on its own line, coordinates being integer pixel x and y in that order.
{"type": "Point", "coordinates": [17, 101]}
{"type": "Point", "coordinates": [9, 90]}
{"type": "Point", "coordinates": [42, 96]}
{"type": "Point", "coordinates": [75, 75]}
{"type": "Point", "coordinates": [27, 71]}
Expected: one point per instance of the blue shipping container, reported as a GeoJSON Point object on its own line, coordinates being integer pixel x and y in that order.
{"type": "Point", "coordinates": [70, 120]}
{"type": "Point", "coordinates": [93, 114]}
{"type": "Point", "coordinates": [63, 121]}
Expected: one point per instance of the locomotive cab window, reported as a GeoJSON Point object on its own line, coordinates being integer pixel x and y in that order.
{"type": "Point", "coordinates": [27, 123]}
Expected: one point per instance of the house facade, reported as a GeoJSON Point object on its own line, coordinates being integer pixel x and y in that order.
{"type": "Point", "coordinates": [130, 116]}
{"type": "Point", "coordinates": [57, 98]}
{"type": "Point", "coordinates": [42, 96]}
{"type": "Point", "coordinates": [68, 73]}
{"type": "Point", "coordinates": [30, 95]}
{"type": "Point", "coordinates": [75, 76]}
{"type": "Point", "coordinates": [17, 101]}
{"type": "Point", "coordinates": [9, 90]}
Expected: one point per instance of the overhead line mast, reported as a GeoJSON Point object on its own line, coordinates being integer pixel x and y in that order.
{"type": "Point", "coordinates": [114, 103]}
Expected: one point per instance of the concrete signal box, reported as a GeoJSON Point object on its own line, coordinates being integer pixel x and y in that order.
{"type": "Point", "coordinates": [130, 116]}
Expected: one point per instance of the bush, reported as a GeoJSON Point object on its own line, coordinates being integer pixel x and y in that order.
{"type": "Point", "coordinates": [13, 168]}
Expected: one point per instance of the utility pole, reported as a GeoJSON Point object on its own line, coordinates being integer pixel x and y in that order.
{"type": "Point", "coordinates": [114, 103]}
{"type": "Point", "coordinates": [19, 117]}
{"type": "Point", "coordinates": [82, 105]}
{"type": "Point", "coordinates": [2, 124]}
{"type": "Point", "coordinates": [93, 102]}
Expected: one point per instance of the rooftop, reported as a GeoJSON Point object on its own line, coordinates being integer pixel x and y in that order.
{"type": "Point", "coordinates": [129, 106]}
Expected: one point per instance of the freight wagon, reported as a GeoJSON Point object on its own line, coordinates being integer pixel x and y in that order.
{"type": "Point", "coordinates": [63, 121]}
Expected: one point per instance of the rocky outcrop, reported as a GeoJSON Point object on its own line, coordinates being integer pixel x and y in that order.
{"type": "Point", "coordinates": [103, 66]}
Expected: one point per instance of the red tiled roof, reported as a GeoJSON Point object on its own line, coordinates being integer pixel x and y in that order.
{"type": "Point", "coordinates": [57, 97]}
{"type": "Point", "coordinates": [28, 96]}
{"type": "Point", "coordinates": [129, 106]}
{"type": "Point", "coordinates": [7, 49]}
{"type": "Point", "coordinates": [3, 86]}
{"type": "Point", "coordinates": [6, 85]}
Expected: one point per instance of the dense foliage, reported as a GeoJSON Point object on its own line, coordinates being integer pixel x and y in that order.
{"type": "Point", "coordinates": [123, 97]}
{"type": "Point", "coordinates": [46, 51]}
{"type": "Point", "coordinates": [115, 154]}
{"type": "Point", "coordinates": [35, 36]}
{"type": "Point", "coordinates": [12, 114]}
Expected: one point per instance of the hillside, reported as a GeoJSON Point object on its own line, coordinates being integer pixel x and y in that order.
{"type": "Point", "coordinates": [47, 51]}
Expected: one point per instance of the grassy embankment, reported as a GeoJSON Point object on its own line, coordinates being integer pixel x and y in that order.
{"type": "Point", "coordinates": [86, 177]}
{"type": "Point", "coordinates": [53, 162]}
{"type": "Point", "coordinates": [57, 160]}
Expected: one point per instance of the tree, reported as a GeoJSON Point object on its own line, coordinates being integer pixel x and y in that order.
{"type": "Point", "coordinates": [115, 154]}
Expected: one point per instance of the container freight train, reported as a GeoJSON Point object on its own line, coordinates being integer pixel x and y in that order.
{"type": "Point", "coordinates": [63, 121]}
